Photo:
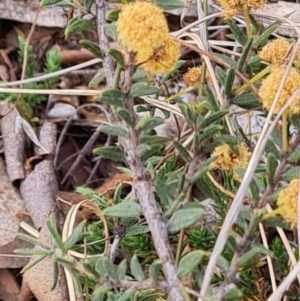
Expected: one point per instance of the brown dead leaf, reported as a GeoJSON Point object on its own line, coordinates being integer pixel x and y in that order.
{"type": "Point", "coordinates": [11, 204]}
{"type": "Point", "coordinates": [39, 191]}
{"type": "Point", "coordinates": [14, 261]}
{"type": "Point", "coordinates": [13, 141]}
{"type": "Point", "coordinates": [109, 186]}
{"type": "Point", "coordinates": [9, 288]}
{"type": "Point", "coordinates": [3, 74]}
{"type": "Point", "coordinates": [68, 199]}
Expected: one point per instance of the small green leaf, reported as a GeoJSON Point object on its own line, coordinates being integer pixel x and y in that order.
{"type": "Point", "coordinates": [233, 294]}
{"type": "Point", "coordinates": [127, 295]}
{"type": "Point", "coordinates": [182, 151]}
{"type": "Point", "coordinates": [271, 168]}
{"type": "Point", "coordinates": [110, 152]}
{"type": "Point", "coordinates": [295, 155]}
{"type": "Point", "coordinates": [113, 130]}
{"type": "Point", "coordinates": [254, 190]}
{"type": "Point", "coordinates": [112, 97]}
{"type": "Point", "coordinates": [99, 266]}
{"type": "Point", "coordinates": [111, 30]}
{"type": "Point", "coordinates": [140, 75]}
{"type": "Point", "coordinates": [112, 15]}
{"type": "Point", "coordinates": [154, 270]}
{"type": "Point", "coordinates": [291, 174]}
{"type": "Point", "coordinates": [55, 273]}
{"type": "Point", "coordinates": [223, 263]}
{"type": "Point", "coordinates": [249, 255]}
{"type": "Point", "coordinates": [169, 4]}
{"type": "Point", "coordinates": [189, 116]}
{"type": "Point", "coordinates": [49, 2]}
{"type": "Point", "coordinates": [148, 123]}
{"type": "Point", "coordinates": [136, 268]}
{"type": "Point", "coordinates": [244, 55]}
{"type": "Point", "coordinates": [54, 235]}
{"type": "Point", "coordinates": [124, 114]}
{"type": "Point", "coordinates": [202, 169]}
{"type": "Point", "coordinates": [33, 252]}
{"type": "Point", "coordinates": [153, 140]}
{"type": "Point", "coordinates": [92, 47]}
{"type": "Point", "coordinates": [122, 268]}
{"type": "Point", "coordinates": [117, 56]}
{"type": "Point", "coordinates": [117, 194]}
{"type": "Point", "coordinates": [238, 34]}
{"type": "Point", "coordinates": [143, 88]}
{"type": "Point", "coordinates": [33, 240]}
{"type": "Point", "coordinates": [101, 290]}
{"type": "Point", "coordinates": [266, 34]}
{"type": "Point", "coordinates": [146, 150]}
{"type": "Point", "coordinates": [189, 262]}
{"type": "Point", "coordinates": [210, 132]}
{"type": "Point", "coordinates": [124, 209]}
{"type": "Point", "coordinates": [137, 230]}
{"type": "Point", "coordinates": [247, 101]}
{"type": "Point", "coordinates": [213, 105]}
{"type": "Point", "coordinates": [227, 59]}
{"type": "Point", "coordinates": [97, 79]}
{"type": "Point", "coordinates": [229, 81]}
{"type": "Point", "coordinates": [79, 24]}
{"type": "Point", "coordinates": [164, 193]}
{"type": "Point", "coordinates": [33, 263]}
{"type": "Point", "coordinates": [221, 75]}
{"type": "Point", "coordinates": [185, 217]}
{"type": "Point", "coordinates": [212, 118]}
{"type": "Point", "coordinates": [110, 269]}
{"type": "Point", "coordinates": [75, 236]}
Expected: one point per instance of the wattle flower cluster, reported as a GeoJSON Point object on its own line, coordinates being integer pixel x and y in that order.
{"type": "Point", "coordinates": [143, 29]}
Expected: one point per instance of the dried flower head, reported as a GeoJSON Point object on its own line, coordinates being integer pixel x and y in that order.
{"type": "Point", "coordinates": [193, 76]}
{"type": "Point", "coordinates": [269, 88]}
{"type": "Point", "coordinates": [142, 25]}
{"type": "Point", "coordinates": [287, 203]}
{"type": "Point", "coordinates": [228, 160]}
{"type": "Point", "coordinates": [161, 59]}
{"type": "Point", "coordinates": [275, 51]}
{"type": "Point", "coordinates": [233, 6]}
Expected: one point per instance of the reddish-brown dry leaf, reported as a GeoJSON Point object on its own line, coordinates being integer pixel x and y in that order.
{"type": "Point", "coordinates": [109, 186]}
{"type": "Point", "coordinates": [73, 199]}
{"type": "Point", "coordinates": [9, 288]}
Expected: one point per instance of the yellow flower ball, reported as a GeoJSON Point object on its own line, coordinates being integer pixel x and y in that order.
{"type": "Point", "coordinates": [275, 51]}
{"type": "Point", "coordinates": [269, 88]}
{"type": "Point", "coordinates": [142, 25]}
{"type": "Point", "coordinates": [161, 59]}
{"type": "Point", "coordinates": [228, 160]}
{"type": "Point", "coordinates": [233, 6]}
{"type": "Point", "coordinates": [287, 203]}
{"type": "Point", "coordinates": [193, 76]}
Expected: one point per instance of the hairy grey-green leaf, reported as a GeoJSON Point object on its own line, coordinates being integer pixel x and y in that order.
{"type": "Point", "coordinates": [124, 209]}
{"type": "Point", "coordinates": [114, 130]}
{"type": "Point", "coordinates": [110, 152]}
{"type": "Point", "coordinates": [189, 262]}
{"type": "Point", "coordinates": [185, 217]}
{"type": "Point", "coordinates": [136, 268]}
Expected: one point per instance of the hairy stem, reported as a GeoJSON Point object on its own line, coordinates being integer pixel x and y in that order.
{"type": "Point", "coordinates": [143, 185]}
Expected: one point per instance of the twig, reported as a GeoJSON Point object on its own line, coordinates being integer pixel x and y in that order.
{"type": "Point", "coordinates": [143, 185]}
{"type": "Point", "coordinates": [50, 75]}
{"type": "Point", "coordinates": [108, 64]}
